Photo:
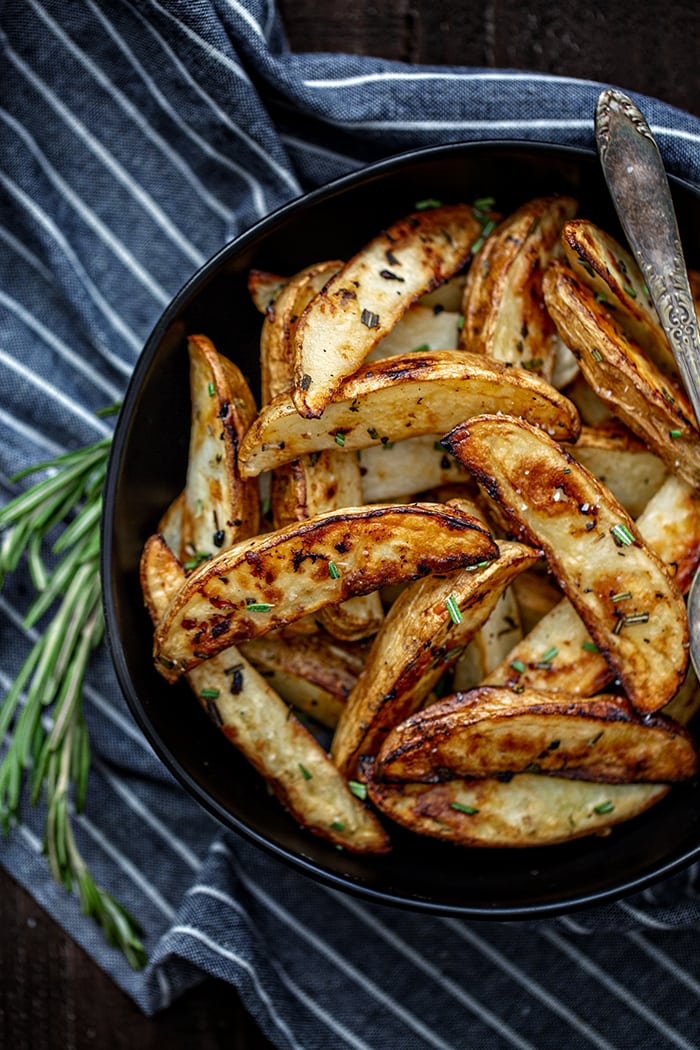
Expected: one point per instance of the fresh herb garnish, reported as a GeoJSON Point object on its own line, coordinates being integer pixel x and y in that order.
{"type": "Point", "coordinates": [41, 717]}
{"type": "Point", "coordinates": [333, 570]}
{"type": "Point", "coordinates": [257, 607]}
{"type": "Point", "coordinates": [590, 647]}
{"type": "Point", "coordinates": [304, 772]}
{"type": "Point", "coordinates": [604, 807]}
{"type": "Point", "coordinates": [622, 535]}
{"type": "Point", "coordinates": [461, 808]}
{"type": "Point", "coordinates": [359, 790]}
{"type": "Point", "coordinates": [429, 202]}
{"type": "Point", "coordinates": [453, 609]}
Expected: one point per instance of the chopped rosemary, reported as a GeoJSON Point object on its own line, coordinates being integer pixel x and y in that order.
{"type": "Point", "coordinates": [41, 716]}
{"type": "Point", "coordinates": [196, 560]}
{"type": "Point", "coordinates": [549, 655]}
{"type": "Point", "coordinates": [340, 439]}
{"type": "Point", "coordinates": [630, 290]}
{"type": "Point", "coordinates": [369, 318]}
{"type": "Point", "coordinates": [622, 535]}
{"type": "Point", "coordinates": [257, 607]}
{"type": "Point", "coordinates": [453, 609]}
{"type": "Point", "coordinates": [518, 666]}
{"type": "Point", "coordinates": [304, 772]}
{"type": "Point", "coordinates": [675, 433]}
{"type": "Point", "coordinates": [488, 227]}
{"type": "Point", "coordinates": [212, 389]}
{"type": "Point", "coordinates": [337, 825]}
{"type": "Point", "coordinates": [429, 202]}
{"type": "Point", "coordinates": [209, 694]}
{"type": "Point", "coordinates": [333, 570]}
{"type": "Point", "coordinates": [359, 790]}
{"type": "Point", "coordinates": [461, 808]}
{"type": "Point", "coordinates": [642, 617]}
{"type": "Point", "coordinates": [604, 807]}
{"type": "Point", "coordinates": [596, 354]}
{"type": "Point", "coordinates": [621, 596]}
{"type": "Point", "coordinates": [590, 647]}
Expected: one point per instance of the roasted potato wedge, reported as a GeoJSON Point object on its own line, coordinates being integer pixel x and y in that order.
{"type": "Point", "coordinates": [617, 458]}
{"type": "Point", "coordinates": [612, 274]}
{"type": "Point", "coordinates": [257, 722]}
{"type": "Point", "coordinates": [536, 595]}
{"type": "Point", "coordinates": [528, 810]}
{"type": "Point", "coordinates": [364, 301]}
{"type": "Point", "coordinates": [420, 462]}
{"type": "Point", "coordinates": [448, 295]}
{"type": "Point", "coordinates": [487, 732]}
{"type": "Point", "coordinates": [220, 506]}
{"type": "Point", "coordinates": [315, 674]}
{"type": "Point", "coordinates": [503, 306]}
{"type": "Point", "coordinates": [264, 287]}
{"type": "Point", "coordinates": [170, 525]}
{"type": "Point", "coordinates": [670, 525]}
{"type": "Point", "coordinates": [276, 337]}
{"type": "Point", "coordinates": [401, 397]}
{"type": "Point", "coordinates": [630, 384]}
{"type": "Point", "coordinates": [591, 409]}
{"type": "Point", "coordinates": [491, 643]}
{"type": "Point", "coordinates": [421, 328]}
{"type": "Point", "coordinates": [424, 632]}
{"type": "Point", "coordinates": [278, 577]}
{"type": "Point", "coordinates": [632, 608]}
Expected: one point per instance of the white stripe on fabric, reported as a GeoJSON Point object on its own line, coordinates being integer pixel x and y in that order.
{"type": "Point", "coordinates": [79, 364]}
{"type": "Point", "coordinates": [246, 16]}
{"type": "Point", "coordinates": [613, 986]}
{"type": "Point", "coordinates": [665, 962]}
{"type": "Point", "coordinates": [544, 995]}
{"type": "Point", "coordinates": [282, 173]}
{"type": "Point", "coordinates": [372, 989]}
{"type": "Point", "coordinates": [134, 188]}
{"type": "Point", "coordinates": [34, 843]}
{"type": "Point", "coordinates": [205, 46]}
{"type": "Point", "coordinates": [127, 866]}
{"type": "Point", "coordinates": [533, 123]}
{"type": "Point", "coordinates": [38, 437]}
{"type": "Point", "coordinates": [319, 151]}
{"type": "Point", "coordinates": [270, 18]}
{"type": "Point", "coordinates": [21, 249]}
{"type": "Point", "coordinates": [53, 392]}
{"type": "Point", "coordinates": [673, 133]}
{"type": "Point", "coordinates": [226, 953]}
{"type": "Point", "coordinates": [191, 133]}
{"type": "Point", "coordinates": [571, 924]}
{"type": "Point", "coordinates": [134, 114]}
{"type": "Point", "coordinates": [400, 75]}
{"type": "Point", "coordinates": [225, 898]}
{"type": "Point", "coordinates": [86, 282]}
{"type": "Point", "coordinates": [87, 214]}
{"type": "Point", "coordinates": [404, 949]}
{"type": "Point", "coordinates": [646, 920]}
{"type": "Point", "coordinates": [148, 817]}
{"type": "Point", "coordinates": [164, 988]}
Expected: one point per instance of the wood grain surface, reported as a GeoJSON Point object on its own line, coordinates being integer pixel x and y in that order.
{"type": "Point", "coordinates": [52, 996]}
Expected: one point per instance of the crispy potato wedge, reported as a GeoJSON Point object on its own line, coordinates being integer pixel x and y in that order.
{"type": "Point", "coordinates": [364, 301]}
{"type": "Point", "coordinates": [424, 632]}
{"type": "Point", "coordinates": [651, 404]}
{"type": "Point", "coordinates": [264, 287]}
{"type": "Point", "coordinates": [278, 577]}
{"type": "Point", "coordinates": [276, 346]}
{"type": "Point", "coordinates": [259, 723]}
{"type": "Point", "coordinates": [632, 608]}
{"type": "Point", "coordinates": [220, 506]}
{"type": "Point", "coordinates": [401, 397]}
{"type": "Point", "coordinates": [491, 644]}
{"type": "Point", "coordinates": [617, 458]}
{"type": "Point", "coordinates": [612, 274]}
{"type": "Point", "coordinates": [528, 810]}
{"type": "Point", "coordinates": [487, 732]}
{"type": "Point", "coordinates": [315, 674]}
{"type": "Point", "coordinates": [420, 462]}
{"type": "Point", "coordinates": [503, 306]}
{"type": "Point", "coordinates": [670, 525]}
{"type": "Point", "coordinates": [421, 328]}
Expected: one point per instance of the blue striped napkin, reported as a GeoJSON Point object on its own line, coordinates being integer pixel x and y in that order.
{"type": "Point", "coordinates": [136, 139]}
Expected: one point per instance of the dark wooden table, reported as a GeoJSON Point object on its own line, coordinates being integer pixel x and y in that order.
{"type": "Point", "coordinates": [51, 994]}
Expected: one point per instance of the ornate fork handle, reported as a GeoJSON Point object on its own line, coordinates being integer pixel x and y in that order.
{"type": "Point", "coordinates": [636, 178]}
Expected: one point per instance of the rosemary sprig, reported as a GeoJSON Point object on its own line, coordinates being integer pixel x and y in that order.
{"type": "Point", "coordinates": [41, 717]}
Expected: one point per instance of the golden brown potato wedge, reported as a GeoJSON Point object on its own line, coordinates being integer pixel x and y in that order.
{"type": "Point", "coordinates": [405, 396]}
{"type": "Point", "coordinates": [611, 273]}
{"type": "Point", "coordinates": [630, 384]}
{"type": "Point", "coordinates": [487, 732]}
{"type": "Point", "coordinates": [420, 463]}
{"type": "Point", "coordinates": [491, 644]}
{"type": "Point", "coordinates": [316, 484]}
{"type": "Point", "coordinates": [264, 287]}
{"type": "Point", "coordinates": [421, 328]}
{"type": "Point", "coordinates": [528, 810]}
{"type": "Point", "coordinates": [424, 632]}
{"type": "Point", "coordinates": [503, 307]}
{"type": "Point", "coordinates": [276, 578]}
{"type": "Point", "coordinates": [632, 608]}
{"type": "Point", "coordinates": [220, 506]}
{"type": "Point", "coordinates": [276, 337]}
{"type": "Point", "coordinates": [257, 722]}
{"type": "Point", "coordinates": [617, 458]}
{"type": "Point", "coordinates": [364, 301]}
{"type": "Point", "coordinates": [314, 674]}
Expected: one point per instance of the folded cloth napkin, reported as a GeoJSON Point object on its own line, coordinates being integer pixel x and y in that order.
{"type": "Point", "coordinates": [137, 138]}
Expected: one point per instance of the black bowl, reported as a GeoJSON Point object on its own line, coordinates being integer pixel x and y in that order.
{"type": "Point", "coordinates": [147, 470]}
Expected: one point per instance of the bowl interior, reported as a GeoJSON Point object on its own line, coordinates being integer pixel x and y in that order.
{"type": "Point", "coordinates": [147, 470]}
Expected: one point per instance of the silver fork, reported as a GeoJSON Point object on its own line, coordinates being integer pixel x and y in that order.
{"type": "Point", "coordinates": [636, 178]}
